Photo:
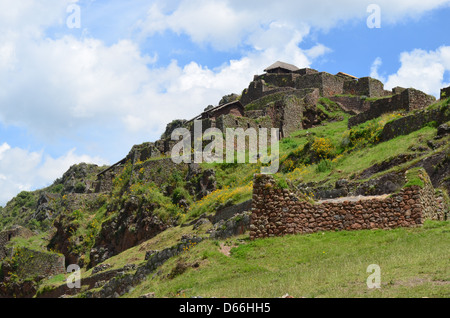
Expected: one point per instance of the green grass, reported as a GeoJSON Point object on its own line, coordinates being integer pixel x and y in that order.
{"type": "Point", "coordinates": [358, 160]}
{"type": "Point", "coordinates": [414, 177]}
{"type": "Point", "coordinates": [414, 263]}
{"type": "Point", "coordinates": [37, 242]}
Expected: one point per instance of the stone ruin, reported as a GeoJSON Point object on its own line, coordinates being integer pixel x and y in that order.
{"type": "Point", "coordinates": [277, 211]}
{"type": "Point", "coordinates": [284, 97]}
{"type": "Point", "coordinates": [8, 235]}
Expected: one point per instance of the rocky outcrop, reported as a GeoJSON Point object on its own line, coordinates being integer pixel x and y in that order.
{"type": "Point", "coordinates": [124, 282]}
{"type": "Point", "coordinates": [134, 224]}
{"type": "Point", "coordinates": [200, 182]}
{"type": "Point", "coordinates": [236, 225]}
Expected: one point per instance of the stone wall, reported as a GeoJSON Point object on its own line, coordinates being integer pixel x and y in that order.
{"type": "Point", "coordinates": [277, 212]}
{"type": "Point", "coordinates": [143, 152]}
{"type": "Point", "coordinates": [328, 84]}
{"type": "Point", "coordinates": [278, 80]}
{"type": "Point", "coordinates": [352, 104]}
{"type": "Point", "coordinates": [259, 89]}
{"type": "Point", "coordinates": [409, 99]}
{"type": "Point", "coordinates": [228, 212]}
{"type": "Point", "coordinates": [365, 86]}
{"type": "Point", "coordinates": [413, 122]}
{"type": "Point", "coordinates": [6, 236]}
{"type": "Point", "coordinates": [30, 263]}
{"type": "Point", "coordinates": [288, 115]}
{"type": "Point", "coordinates": [285, 110]}
{"type": "Point", "coordinates": [230, 121]}
{"type": "Point", "coordinates": [306, 71]}
{"type": "Point", "coordinates": [235, 111]}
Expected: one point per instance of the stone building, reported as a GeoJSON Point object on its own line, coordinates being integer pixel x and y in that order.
{"type": "Point", "coordinates": [281, 68]}
{"type": "Point", "coordinates": [328, 84]}
{"type": "Point", "coordinates": [346, 76]}
{"type": "Point", "coordinates": [234, 108]}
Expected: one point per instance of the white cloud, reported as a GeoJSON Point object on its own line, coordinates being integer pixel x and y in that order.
{"type": "Point", "coordinates": [22, 170]}
{"type": "Point", "coordinates": [31, 17]}
{"type": "Point", "coordinates": [73, 85]}
{"type": "Point", "coordinates": [226, 23]}
{"type": "Point", "coordinates": [423, 70]}
{"type": "Point", "coordinates": [374, 69]}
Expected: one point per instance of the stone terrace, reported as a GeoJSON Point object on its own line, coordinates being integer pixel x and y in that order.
{"type": "Point", "coordinates": [277, 212]}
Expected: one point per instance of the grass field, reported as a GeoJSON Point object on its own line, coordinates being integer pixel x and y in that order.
{"type": "Point", "coordinates": [414, 262]}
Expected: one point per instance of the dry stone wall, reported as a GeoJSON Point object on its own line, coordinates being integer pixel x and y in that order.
{"type": "Point", "coordinates": [413, 122]}
{"type": "Point", "coordinates": [409, 99]}
{"type": "Point", "coordinates": [352, 104]}
{"type": "Point", "coordinates": [6, 236]}
{"type": "Point", "coordinates": [328, 84]}
{"type": "Point", "coordinates": [277, 212]}
{"type": "Point", "coordinates": [365, 86]}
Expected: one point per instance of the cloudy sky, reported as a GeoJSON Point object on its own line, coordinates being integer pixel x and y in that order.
{"type": "Point", "coordinates": [83, 81]}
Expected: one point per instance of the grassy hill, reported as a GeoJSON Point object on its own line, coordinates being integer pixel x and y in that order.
{"type": "Point", "coordinates": [414, 262]}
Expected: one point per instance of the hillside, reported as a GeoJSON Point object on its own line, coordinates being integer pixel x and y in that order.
{"type": "Point", "coordinates": [148, 225]}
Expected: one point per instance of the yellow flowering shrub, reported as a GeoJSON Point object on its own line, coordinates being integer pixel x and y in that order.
{"type": "Point", "coordinates": [323, 147]}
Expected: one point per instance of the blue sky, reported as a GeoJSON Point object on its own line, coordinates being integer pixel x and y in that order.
{"type": "Point", "coordinates": [88, 94]}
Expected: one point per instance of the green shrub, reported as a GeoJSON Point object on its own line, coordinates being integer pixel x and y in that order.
{"type": "Point", "coordinates": [57, 188]}
{"type": "Point", "coordinates": [324, 165]}
{"type": "Point", "coordinates": [80, 187]}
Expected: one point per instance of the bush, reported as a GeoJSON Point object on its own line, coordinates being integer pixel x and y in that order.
{"type": "Point", "coordinates": [80, 187]}
{"type": "Point", "coordinates": [57, 188]}
{"type": "Point", "coordinates": [323, 148]}
{"type": "Point", "coordinates": [324, 165]}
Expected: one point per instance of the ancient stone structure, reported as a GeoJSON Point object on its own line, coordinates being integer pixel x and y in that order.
{"type": "Point", "coordinates": [282, 98]}
{"type": "Point", "coordinates": [7, 236]}
{"type": "Point", "coordinates": [38, 263]}
{"type": "Point", "coordinates": [328, 84]}
{"type": "Point", "coordinates": [281, 68]}
{"type": "Point", "coordinates": [234, 108]}
{"type": "Point", "coordinates": [413, 122]}
{"type": "Point", "coordinates": [365, 86]}
{"type": "Point", "coordinates": [352, 104]}
{"type": "Point", "coordinates": [277, 212]}
{"type": "Point", "coordinates": [410, 99]}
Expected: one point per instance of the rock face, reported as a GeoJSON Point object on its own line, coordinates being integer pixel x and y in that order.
{"type": "Point", "coordinates": [134, 224]}
{"type": "Point", "coordinates": [234, 226]}
{"type": "Point", "coordinates": [228, 99]}
{"type": "Point", "coordinates": [76, 179]}
{"type": "Point", "coordinates": [177, 123]}
{"type": "Point", "coordinates": [200, 182]}
{"type": "Point", "coordinates": [445, 92]}
{"type": "Point", "coordinates": [61, 239]}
